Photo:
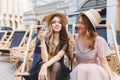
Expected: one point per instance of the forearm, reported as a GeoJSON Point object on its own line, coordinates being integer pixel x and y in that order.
{"type": "Point", "coordinates": [108, 69]}
{"type": "Point", "coordinates": [70, 54]}
{"type": "Point", "coordinates": [106, 66]}
{"type": "Point", "coordinates": [54, 59]}
{"type": "Point", "coordinates": [44, 53]}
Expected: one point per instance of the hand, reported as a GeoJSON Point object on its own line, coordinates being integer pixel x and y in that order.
{"type": "Point", "coordinates": [72, 42]}
{"type": "Point", "coordinates": [41, 35]}
{"type": "Point", "coordinates": [112, 76]}
{"type": "Point", "coordinates": [43, 73]}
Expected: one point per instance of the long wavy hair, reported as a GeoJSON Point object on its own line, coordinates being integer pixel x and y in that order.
{"type": "Point", "coordinates": [91, 33]}
{"type": "Point", "coordinates": [49, 40]}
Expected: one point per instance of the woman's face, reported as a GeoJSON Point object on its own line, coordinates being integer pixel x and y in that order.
{"type": "Point", "coordinates": [82, 27]}
{"type": "Point", "coordinates": [56, 24]}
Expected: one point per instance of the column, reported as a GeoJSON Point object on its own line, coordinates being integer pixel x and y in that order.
{"type": "Point", "coordinates": [118, 15]}
{"type": "Point", "coordinates": [112, 18]}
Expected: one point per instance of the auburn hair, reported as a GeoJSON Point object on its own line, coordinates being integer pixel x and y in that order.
{"type": "Point", "coordinates": [91, 33]}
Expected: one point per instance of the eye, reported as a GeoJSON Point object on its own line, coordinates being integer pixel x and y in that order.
{"type": "Point", "coordinates": [59, 22]}
{"type": "Point", "coordinates": [78, 22]}
{"type": "Point", "coordinates": [53, 22]}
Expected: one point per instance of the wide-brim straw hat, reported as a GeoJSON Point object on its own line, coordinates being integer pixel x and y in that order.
{"type": "Point", "coordinates": [93, 16]}
{"type": "Point", "coordinates": [48, 17]}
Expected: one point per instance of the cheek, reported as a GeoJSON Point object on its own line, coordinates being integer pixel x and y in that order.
{"type": "Point", "coordinates": [82, 27]}
{"type": "Point", "coordinates": [59, 28]}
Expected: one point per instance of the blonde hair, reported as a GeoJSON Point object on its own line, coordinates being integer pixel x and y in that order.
{"type": "Point", "coordinates": [50, 38]}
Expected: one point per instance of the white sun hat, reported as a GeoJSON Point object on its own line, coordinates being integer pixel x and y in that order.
{"type": "Point", "coordinates": [93, 16]}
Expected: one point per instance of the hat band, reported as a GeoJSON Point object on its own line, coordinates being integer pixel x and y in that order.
{"type": "Point", "coordinates": [93, 20]}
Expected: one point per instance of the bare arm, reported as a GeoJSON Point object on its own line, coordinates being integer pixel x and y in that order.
{"type": "Point", "coordinates": [44, 53]}
{"type": "Point", "coordinates": [56, 58]}
{"type": "Point", "coordinates": [102, 52]}
{"type": "Point", "coordinates": [106, 66]}
{"type": "Point", "coordinates": [71, 48]}
{"type": "Point", "coordinates": [70, 54]}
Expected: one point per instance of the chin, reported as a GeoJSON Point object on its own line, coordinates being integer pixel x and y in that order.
{"type": "Point", "coordinates": [57, 31]}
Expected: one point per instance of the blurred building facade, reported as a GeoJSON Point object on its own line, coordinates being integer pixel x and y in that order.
{"type": "Point", "coordinates": [11, 13]}
{"type": "Point", "coordinates": [119, 15]}
{"type": "Point", "coordinates": [118, 32]}
{"type": "Point", "coordinates": [42, 8]}
{"type": "Point", "coordinates": [108, 9]}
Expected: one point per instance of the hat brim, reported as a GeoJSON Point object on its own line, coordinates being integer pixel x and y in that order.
{"type": "Point", "coordinates": [83, 13]}
{"type": "Point", "coordinates": [48, 17]}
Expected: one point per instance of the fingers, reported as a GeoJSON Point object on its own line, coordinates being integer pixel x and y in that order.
{"type": "Point", "coordinates": [40, 32]}
{"type": "Point", "coordinates": [41, 35]}
{"type": "Point", "coordinates": [42, 75]}
{"type": "Point", "coordinates": [72, 43]}
{"type": "Point", "coordinates": [46, 78]}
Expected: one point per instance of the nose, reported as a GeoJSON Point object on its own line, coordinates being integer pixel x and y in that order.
{"type": "Point", "coordinates": [57, 23]}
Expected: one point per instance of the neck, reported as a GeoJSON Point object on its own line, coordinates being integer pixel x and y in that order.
{"type": "Point", "coordinates": [56, 36]}
{"type": "Point", "coordinates": [83, 36]}
{"type": "Point", "coordinates": [56, 39]}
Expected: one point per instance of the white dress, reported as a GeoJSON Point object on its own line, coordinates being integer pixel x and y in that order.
{"type": "Point", "coordinates": [88, 66]}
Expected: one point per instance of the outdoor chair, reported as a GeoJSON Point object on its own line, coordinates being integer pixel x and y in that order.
{"type": "Point", "coordinates": [3, 36]}
{"type": "Point", "coordinates": [18, 53]}
{"type": "Point", "coordinates": [16, 39]}
{"type": "Point", "coordinates": [114, 58]}
{"type": "Point", "coordinates": [24, 68]}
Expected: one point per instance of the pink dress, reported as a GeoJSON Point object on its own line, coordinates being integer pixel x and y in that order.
{"type": "Point", "coordinates": [88, 66]}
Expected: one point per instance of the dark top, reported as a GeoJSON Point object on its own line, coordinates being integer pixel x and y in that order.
{"type": "Point", "coordinates": [37, 52]}
{"type": "Point", "coordinates": [62, 46]}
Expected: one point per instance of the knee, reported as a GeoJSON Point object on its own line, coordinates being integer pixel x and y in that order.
{"type": "Point", "coordinates": [56, 67]}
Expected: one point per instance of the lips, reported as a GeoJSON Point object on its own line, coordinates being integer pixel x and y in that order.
{"type": "Point", "coordinates": [57, 27]}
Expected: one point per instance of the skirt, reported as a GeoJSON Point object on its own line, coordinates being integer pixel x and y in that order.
{"type": "Point", "coordinates": [64, 72]}
{"type": "Point", "coordinates": [89, 72]}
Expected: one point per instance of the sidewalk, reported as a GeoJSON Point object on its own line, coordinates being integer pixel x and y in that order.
{"type": "Point", "coordinates": [6, 69]}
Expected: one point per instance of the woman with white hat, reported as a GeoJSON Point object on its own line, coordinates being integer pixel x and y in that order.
{"type": "Point", "coordinates": [90, 50]}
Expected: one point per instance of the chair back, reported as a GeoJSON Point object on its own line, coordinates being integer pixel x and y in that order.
{"type": "Point", "coordinates": [102, 31]}
{"type": "Point", "coordinates": [18, 38]}
{"type": "Point", "coordinates": [2, 35]}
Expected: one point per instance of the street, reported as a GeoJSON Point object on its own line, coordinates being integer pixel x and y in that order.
{"type": "Point", "coordinates": [6, 69]}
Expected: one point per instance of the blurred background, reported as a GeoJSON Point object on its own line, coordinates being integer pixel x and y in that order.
{"type": "Point", "coordinates": [21, 14]}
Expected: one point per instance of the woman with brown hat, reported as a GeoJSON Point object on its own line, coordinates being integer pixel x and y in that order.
{"type": "Point", "coordinates": [90, 50]}
{"type": "Point", "coordinates": [54, 47]}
